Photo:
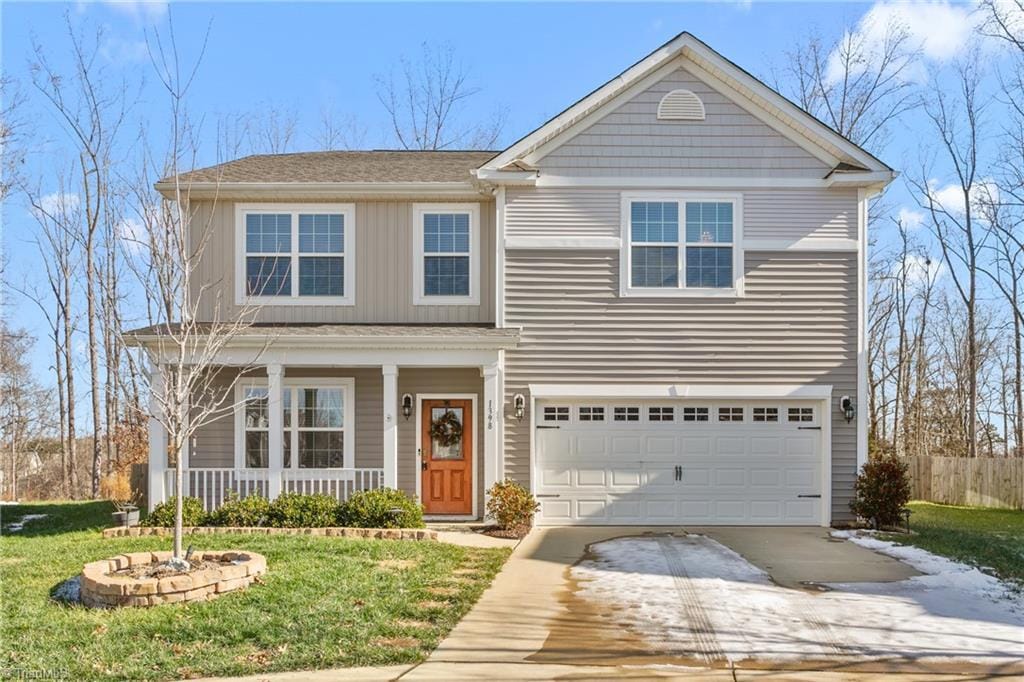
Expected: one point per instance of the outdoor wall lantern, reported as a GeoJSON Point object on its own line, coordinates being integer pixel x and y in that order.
{"type": "Point", "coordinates": [848, 408]}
{"type": "Point", "coordinates": [519, 405]}
{"type": "Point", "coordinates": [407, 406]}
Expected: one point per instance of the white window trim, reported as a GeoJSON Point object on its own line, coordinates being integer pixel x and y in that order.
{"type": "Point", "coordinates": [347, 210]}
{"type": "Point", "coordinates": [626, 289]}
{"type": "Point", "coordinates": [418, 295]}
{"type": "Point", "coordinates": [346, 384]}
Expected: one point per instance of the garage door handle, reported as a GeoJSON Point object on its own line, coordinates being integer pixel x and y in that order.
{"type": "Point", "coordinates": [549, 495]}
{"type": "Point", "coordinates": [814, 496]}
{"type": "Point", "coordinates": [808, 428]}
{"type": "Point", "coordinates": [546, 426]}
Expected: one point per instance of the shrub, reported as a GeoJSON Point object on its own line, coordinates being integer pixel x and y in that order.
{"type": "Point", "coordinates": [511, 505]}
{"type": "Point", "coordinates": [117, 488]}
{"type": "Point", "coordinates": [881, 492]}
{"type": "Point", "coordinates": [192, 513]}
{"type": "Point", "coordinates": [293, 510]}
{"type": "Point", "coordinates": [242, 511]}
{"type": "Point", "coordinates": [372, 509]}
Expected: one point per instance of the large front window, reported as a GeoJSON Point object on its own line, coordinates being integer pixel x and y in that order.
{"type": "Point", "coordinates": [447, 247]}
{"type": "Point", "coordinates": [679, 245]}
{"type": "Point", "coordinates": [296, 254]}
{"type": "Point", "coordinates": [316, 419]}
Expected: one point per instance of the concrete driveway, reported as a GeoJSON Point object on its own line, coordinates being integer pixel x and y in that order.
{"type": "Point", "coordinates": [543, 619]}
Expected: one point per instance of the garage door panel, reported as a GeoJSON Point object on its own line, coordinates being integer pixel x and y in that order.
{"type": "Point", "coordinates": [678, 472]}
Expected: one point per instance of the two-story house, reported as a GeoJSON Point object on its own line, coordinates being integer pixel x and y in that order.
{"type": "Point", "coordinates": [650, 310]}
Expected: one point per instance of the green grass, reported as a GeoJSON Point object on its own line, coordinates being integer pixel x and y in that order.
{"type": "Point", "coordinates": [988, 538]}
{"type": "Point", "coordinates": [325, 602]}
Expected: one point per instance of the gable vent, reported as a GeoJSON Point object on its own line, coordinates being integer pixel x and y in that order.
{"type": "Point", "coordinates": [681, 105]}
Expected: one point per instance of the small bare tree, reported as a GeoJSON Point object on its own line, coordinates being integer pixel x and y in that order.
{"type": "Point", "coordinates": [337, 131]}
{"type": "Point", "coordinates": [424, 104]}
{"type": "Point", "coordinates": [184, 390]}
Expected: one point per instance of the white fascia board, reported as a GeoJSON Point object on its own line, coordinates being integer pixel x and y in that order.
{"type": "Point", "coordinates": [684, 391]}
{"type": "Point", "coordinates": [325, 357]}
{"type": "Point", "coordinates": [860, 179]}
{"type": "Point", "coordinates": [205, 190]}
{"type": "Point", "coordinates": [682, 182]}
{"type": "Point", "coordinates": [563, 243]}
{"type": "Point", "coordinates": [327, 343]}
{"type": "Point", "coordinates": [502, 177]}
{"type": "Point", "coordinates": [805, 244]}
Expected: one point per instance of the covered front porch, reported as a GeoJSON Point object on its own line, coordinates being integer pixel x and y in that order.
{"type": "Point", "coordinates": [314, 412]}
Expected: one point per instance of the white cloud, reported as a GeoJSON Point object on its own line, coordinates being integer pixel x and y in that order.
{"type": "Point", "coordinates": [940, 30]}
{"type": "Point", "coordinates": [919, 269]}
{"type": "Point", "coordinates": [148, 11]}
{"type": "Point", "coordinates": [910, 219]}
{"type": "Point", "coordinates": [950, 198]}
{"type": "Point", "coordinates": [120, 51]}
{"type": "Point", "coordinates": [56, 203]}
{"type": "Point", "coordinates": [132, 234]}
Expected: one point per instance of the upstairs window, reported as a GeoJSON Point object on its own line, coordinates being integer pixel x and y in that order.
{"type": "Point", "coordinates": [447, 247]}
{"type": "Point", "coordinates": [295, 254]}
{"type": "Point", "coordinates": [681, 246]}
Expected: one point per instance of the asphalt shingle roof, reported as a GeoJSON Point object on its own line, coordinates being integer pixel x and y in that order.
{"type": "Point", "coordinates": [360, 166]}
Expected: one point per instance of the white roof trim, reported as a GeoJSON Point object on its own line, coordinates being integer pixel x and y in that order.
{"type": "Point", "coordinates": [332, 189]}
{"type": "Point", "coordinates": [784, 113]}
{"type": "Point", "coordinates": [682, 391]}
{"type": "Point", "coordinates": [325, 342]}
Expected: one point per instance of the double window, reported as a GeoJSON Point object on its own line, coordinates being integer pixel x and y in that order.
{"type": "Point", "coordinates": [446, 257]}
{"type": "Point", "coordinates": [317, 418]}
{"type": "Point", "coordinates": [681, 245]}
{"type": "Point", "coordinates": [296, 254]}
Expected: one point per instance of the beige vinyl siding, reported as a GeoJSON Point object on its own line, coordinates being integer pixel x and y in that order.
{"type": "Point", "coordinates": [421, 381]}
{"type": "Point", "coordinates": [630, 141]}
{"type": "Point", "coordinates": [215, 442]}
{"type": "Point", "coordinates": [789, 214]}
{"type": "Point", "coordinates": [797, 324]}
{"type": "Point", "coordinates": [383, 262]}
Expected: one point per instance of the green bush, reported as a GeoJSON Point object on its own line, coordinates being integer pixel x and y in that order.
{"type": "Point", "coordinates": [881, 491]}
{"type": "Point", "coordinates": [511, 505]}
{"type": "Point", "coordinates": [373, 509]}
{"type": "Point", "coordinates": [293, 510]}
{"type": "Point", "coordinates": [251, 511]}
{"type": "Point", "coordinates": [192, 513]}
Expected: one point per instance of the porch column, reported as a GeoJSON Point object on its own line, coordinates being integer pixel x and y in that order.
{"type": "Point", "coordinates": [157, 474]}
{"type": "Point", "coordinates": [390, 373]}
{"type": "Point", "coordinates": [275, 421]}
{"type": "Point", "coordinates": [492, 424]}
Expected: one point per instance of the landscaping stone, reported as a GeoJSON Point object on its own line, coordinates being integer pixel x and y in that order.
{"type": "Point", "coordinates": [100, 587]}
{"type": "Point", "coordinates": [413, 534]}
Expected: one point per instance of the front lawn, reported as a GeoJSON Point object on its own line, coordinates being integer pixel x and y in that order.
{"type": "Point", "coordinates": [325, 602]}
{"type": "Point", "coordinates": [989, 538]}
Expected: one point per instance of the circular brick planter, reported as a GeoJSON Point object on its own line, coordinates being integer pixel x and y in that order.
{"type": "Point", "coordinates": [106, 583]}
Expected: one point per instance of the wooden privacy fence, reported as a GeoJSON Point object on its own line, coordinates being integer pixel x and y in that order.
{"type": "Point", "coordinates": [981, 481]}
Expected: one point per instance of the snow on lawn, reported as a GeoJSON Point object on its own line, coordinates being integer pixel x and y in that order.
{"type": "Point", "coordinates": [694, 596]}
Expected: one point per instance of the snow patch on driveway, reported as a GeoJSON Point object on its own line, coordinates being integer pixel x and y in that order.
{"type": "Point", "coordinates": [647, 585]}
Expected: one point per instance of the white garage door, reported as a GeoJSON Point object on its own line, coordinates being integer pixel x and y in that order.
{"type": "Point", "coordinates": [635, 462]}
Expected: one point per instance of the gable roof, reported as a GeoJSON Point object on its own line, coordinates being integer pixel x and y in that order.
{"type": "Point", "coordinates": [384, 166]}
{"type": "Point", "coordinates": [771, 107]}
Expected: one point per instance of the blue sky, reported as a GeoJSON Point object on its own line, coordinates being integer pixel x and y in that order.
{"type": "Point", "coordinates": [533, 58]}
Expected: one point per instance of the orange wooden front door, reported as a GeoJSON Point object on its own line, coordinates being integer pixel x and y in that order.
{"type": "Point", "coordinates": [447, 484]}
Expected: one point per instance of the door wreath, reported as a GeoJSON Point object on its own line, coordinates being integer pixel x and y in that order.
{"type": "Point", "coordinates": [446, 430]}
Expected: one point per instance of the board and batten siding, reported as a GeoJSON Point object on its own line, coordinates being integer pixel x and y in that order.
{"type": "Point", "coordinates": [777, 214]}
{"type": "Point", "coordinates": [796, 324]}
{"type": "Point", "coordinates": [383, 262]}
{"type": "Point", "coordinates": [215, 442]}
{"type": "Point", "coordinates": [630, 141]}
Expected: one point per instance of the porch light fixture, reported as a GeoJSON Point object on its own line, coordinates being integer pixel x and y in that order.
{"type": "Point", "coordinates": [519, 406]}
{"type": "Point", "coordinates": [407, 406]}
{"type": "Point", "coordinates": [848, 408]}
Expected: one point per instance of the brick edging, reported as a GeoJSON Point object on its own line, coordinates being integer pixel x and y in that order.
{"type": "Point", "coordinates": [340, 532]}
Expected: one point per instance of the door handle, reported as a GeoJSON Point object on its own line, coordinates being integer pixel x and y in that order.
{"type": "Point", "coordinates": [679, 472]}
{"type": "Point", "coordinates": [423, 460]}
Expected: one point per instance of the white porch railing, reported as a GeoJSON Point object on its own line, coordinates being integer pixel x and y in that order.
{"type": "Point", "coordinates": [215, 486]}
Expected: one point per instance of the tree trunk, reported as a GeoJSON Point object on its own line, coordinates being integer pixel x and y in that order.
{"type": "Point", "coordinates": [65, 481]}
{"type": "Point", "coordinates": [70, 377]}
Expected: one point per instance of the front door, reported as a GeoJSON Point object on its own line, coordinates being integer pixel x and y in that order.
{"type": "Point", "coordinates": [446, 458]}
